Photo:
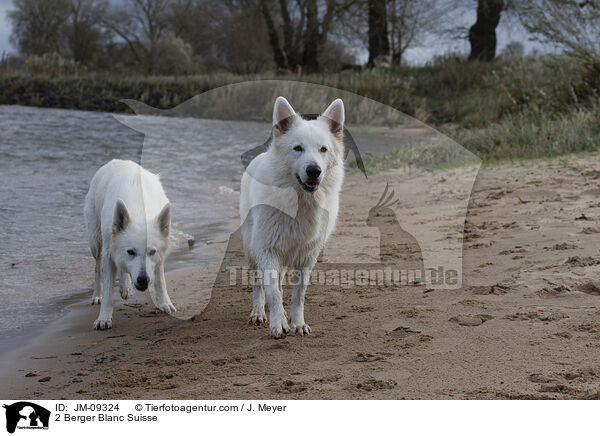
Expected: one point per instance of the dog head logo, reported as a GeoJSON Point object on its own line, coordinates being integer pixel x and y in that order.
{"type": "Point", "coordinates": [26, 415]}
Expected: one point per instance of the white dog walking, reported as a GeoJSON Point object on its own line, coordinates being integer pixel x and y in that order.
{"type": "Point", "coordinates": [128, 217]}
{"type": "Point", "coordinates": [288, 205]}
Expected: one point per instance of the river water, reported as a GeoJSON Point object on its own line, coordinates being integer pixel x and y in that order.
{"type": "Point", "coordinates": [47, 158]}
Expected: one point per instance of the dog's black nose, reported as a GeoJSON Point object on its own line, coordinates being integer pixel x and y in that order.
{"type": "Point", "coordinates": [313, 171]}
{"type": "Point", "coordinates": [142, 283]}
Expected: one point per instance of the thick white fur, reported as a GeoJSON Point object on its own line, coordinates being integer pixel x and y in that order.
{"type": "Point", "coordinates": [283, 225]}
{"type": "Point", "coordinates": [125, 210]}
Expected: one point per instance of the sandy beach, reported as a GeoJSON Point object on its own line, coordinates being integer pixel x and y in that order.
{"type": "Point", "coordinates": [524, 325]}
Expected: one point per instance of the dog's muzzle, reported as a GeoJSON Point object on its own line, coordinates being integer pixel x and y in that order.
{"type": "Point", "coordinates": [309, 186]}
{"type": "Point", "coordinates": [141, 284]}
{"type": "Point", "coordinates": [312, 178]}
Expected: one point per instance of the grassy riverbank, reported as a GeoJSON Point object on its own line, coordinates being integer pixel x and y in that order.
{"type": "Point", "coordinates": [510, 108]}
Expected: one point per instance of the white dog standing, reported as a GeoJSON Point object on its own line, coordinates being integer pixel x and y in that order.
{"type": "Point", "coordinates": [128, 217]}
{"type": "Point", "coordinates": [288, 205]}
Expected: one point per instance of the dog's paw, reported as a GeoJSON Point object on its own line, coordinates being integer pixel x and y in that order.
{"type": "Point", "coordinates": [103, 324]}
{"type": "Point", "coordinates": [279, 326]}
{"type": "Point", "coordinates": [258, 317]}
{"type": "Point", "coordinates": [300, 328]}
{"type": "Point", "coordinates": [166, 307]}
{"type": "Point", "coordinates": [125, 291]}
{"type": "Point", "coordinates": [96, 300]}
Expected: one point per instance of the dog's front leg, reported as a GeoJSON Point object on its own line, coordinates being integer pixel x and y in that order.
{"type": "Point", "coordinates": [297, 324]}
{"type": "Point", "coordinates": [124, 284]}
{"type": "Point", "coordinates": [96, 296]}
{"type": "Point", "coordinates": [277, 318]}
{"type": "Point", "coordinates": [162, 300]}
{"type": "Point", "coordinates": [258, 315]}
{"type": "Point", "coordinates": [104, 320]}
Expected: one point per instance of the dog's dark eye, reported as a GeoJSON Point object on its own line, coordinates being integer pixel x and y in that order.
{"type": "Point", "coordinates": [298, 148]}
{"type": "Point", "coordinates": [151, 252]}
{"type": "Point", "coordinates": [323, 149]}
{"type": "Point", "coordinates": [131, 252]}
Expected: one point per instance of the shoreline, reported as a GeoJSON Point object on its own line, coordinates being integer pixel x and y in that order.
{"type": "Point", "coordinates": [24, 337]}
{"type": "Point", "coordinates": [73, 330]}
{"type": "Point", "coordinates": [20, 338]}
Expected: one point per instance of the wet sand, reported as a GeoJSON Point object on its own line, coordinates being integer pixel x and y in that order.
{"type": "Point", "coordinates": [525, 324]}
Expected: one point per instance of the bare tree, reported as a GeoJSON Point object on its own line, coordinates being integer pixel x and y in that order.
{"type": "Point", "coordinates": [379, 44]}
{"type": "Point", "coordinates": [282, 59]}
{"type": "Point", "coordinates": [83, 30]}
{"type": "Point", "coordinates": [304, 28]}
{"type": "Point", "coordinates": [37, 25]}
{"type": "Point", "coordinates": [482, 34]}
{"type": "Point", "coordinates": [240, 42]}
{"type": "Point", "coordinates": [312, 38]}
{"type": "Point", "coordinates": [201, 23]}
{"type": "Point", "coordinates": [571, 24]}
{"type": "Point", "coordinates": [141, 24]}
{"type": "Point", "coordinates": [407, 25]}
{"type": "Point", "coordinates": [410, 21]}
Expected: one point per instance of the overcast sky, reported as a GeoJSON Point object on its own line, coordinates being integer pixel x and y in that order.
{"type": "Point", "coordinates": [5, 5]}
{"type": "Point", "coordinates": [419, 55]}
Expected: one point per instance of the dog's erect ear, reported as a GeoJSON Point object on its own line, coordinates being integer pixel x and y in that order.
{"type": "Point", "coordinates": [283, 116]}
{"type": "Point", "coordinates": [164, 219]}
{"type": "Point", "coordinates": [335, 117]}
{"type": "Point", "coordinates": [121, 217]}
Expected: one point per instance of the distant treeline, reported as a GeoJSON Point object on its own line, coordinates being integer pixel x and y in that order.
{"type": "Point", "coordinates": [175, 37]}
{"type": "Point", "coordinates": [452, 90]}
